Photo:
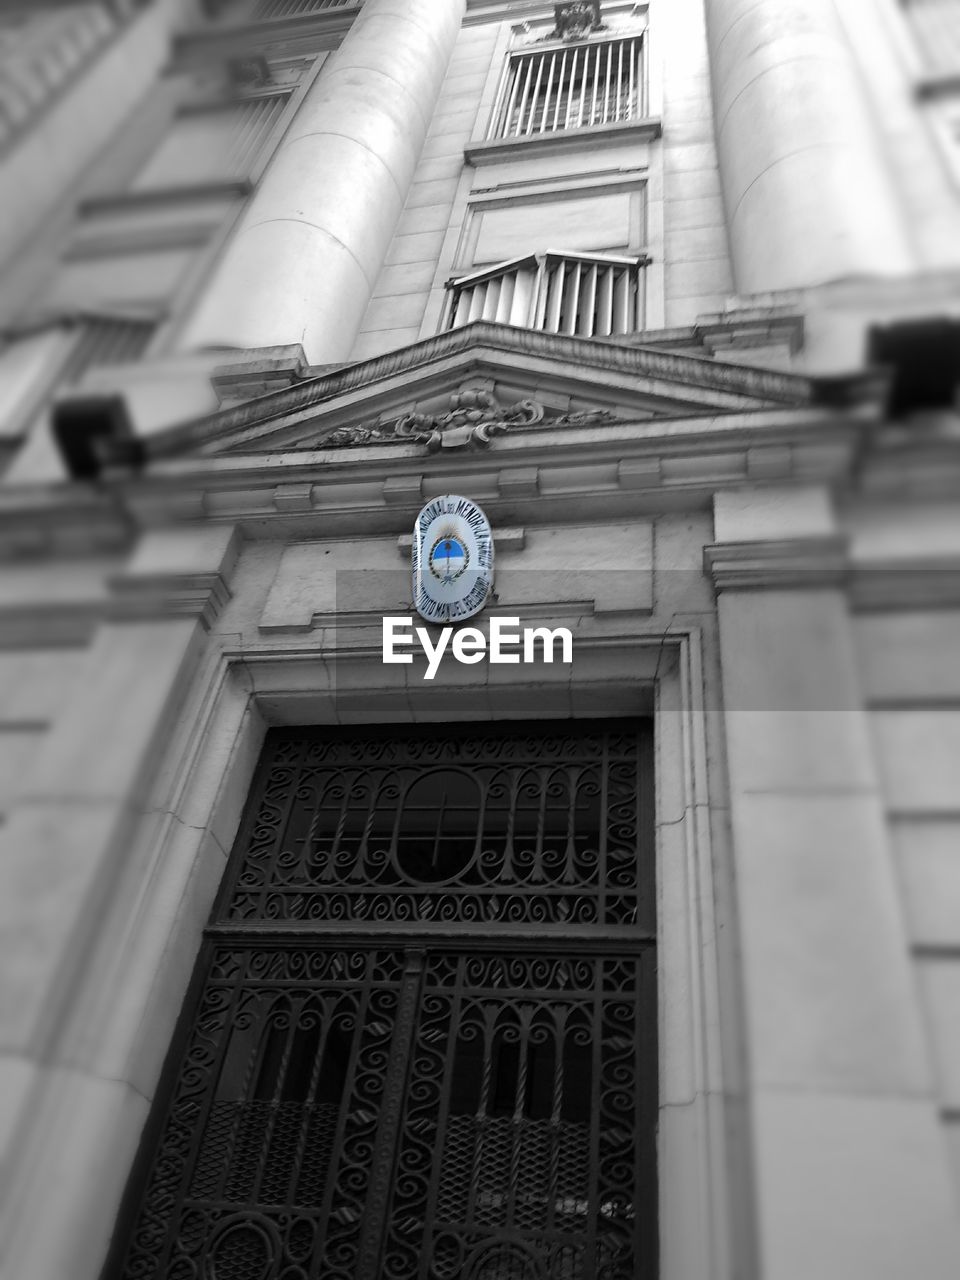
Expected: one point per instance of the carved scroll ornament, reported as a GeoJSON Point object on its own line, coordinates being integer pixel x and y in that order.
{"type": "Point", "coordinates": [474, 417]}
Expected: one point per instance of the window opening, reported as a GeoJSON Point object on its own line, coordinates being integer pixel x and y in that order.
{"type": "Point", "coordinates": [570, 87]}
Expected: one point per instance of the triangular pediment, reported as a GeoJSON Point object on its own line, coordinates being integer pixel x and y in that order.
{"type": "Point", "coordinates": [493, 377]}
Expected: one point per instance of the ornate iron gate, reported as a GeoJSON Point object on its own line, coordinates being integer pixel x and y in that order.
{"type": "Point", "coordinates": [422, 1041]}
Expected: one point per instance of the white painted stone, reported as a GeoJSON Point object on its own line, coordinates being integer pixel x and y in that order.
{"type": "Point", "coordinates": [336, 576]}
{"type": "Point", "coordinates": [55, 582]}
{"type": "Point", "coordinates": [205, 548]}
{"type": "Point", "coordinates": [700, 279]}
{"type": "Point", "coordinates": [952, 1135]}
{"type": "Point", "coordinates": [928, 862]}
{"type": "Point", "coordinates": [852, 1189]}
{"type": "Point", "coordinates": [911, 655]}
{"type": "Point", "coordinates": [159, 393]}
{"type": "Point", "coordinates": [402, 311]}
{"type": "Point", "coordinates": [808, 197]}
{"type": "Point", "coordinates": [580, 563]}
{"type": "Point", "coordinates": [35, 685]}
{"type": "Point", "coordinates": [330, 200]}
{"type": "Point", "coordinates": [791, 695]}
{"type": "Point", "coordinates": [890, 533]}
{"type": "Point", "coordinates": [51, 855]}
{"type": "Point", "coordinates": [60, 1216]}
{"type": "Point", "coordinates": [18, 751]}
{"type": "Point", "coordinates": [75, 126]}
{"type": "Point", "coordinates": [419, 246]}
{"type": "Point", "coordinates": [939, 980]}
{"type": "Point", "coordinates": [18, 1077]}
{"type": "Point", "coordinates": [148, 965]}
{"type": "Point", "coordinates": [918, 757]}
{"type": "Point", "coordinates": [771, 513]}
{"type": "Point", "coordinates": [592, 223]}
{"type": "Point", "coordinates": [24, 370]}
{"type": "Point", "coordinates": [830, 1001]}
{"type": "Point", "coordinates": [101, 743]}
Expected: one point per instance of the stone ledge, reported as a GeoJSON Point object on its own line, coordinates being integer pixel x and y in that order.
{"type": "Point", "coordinates": [794, 563]}
{"type": "Point", "coordinates": [589, 136]}
{"type": "Point", "coordinates": [928, 583]}
{"type": "Point", "coordinates": [137, 597]}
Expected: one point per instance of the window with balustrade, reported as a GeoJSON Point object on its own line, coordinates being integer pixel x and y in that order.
{"type": "Point", "coordinates": [556, 87]}
{"type": "Point", "coordinates": [590, 295]}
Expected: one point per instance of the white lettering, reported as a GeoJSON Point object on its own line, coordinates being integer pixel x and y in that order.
{"type": "Point", "coordinates": [548, 638]}
{"type": "Point", "coordinates": [469, 645]}
{"type": "Point", "coordinates": [499, 637]}
{"type": "Point", "coordinates": [433, 654]}
{"type": "Point", "coordinates": [391, 638]}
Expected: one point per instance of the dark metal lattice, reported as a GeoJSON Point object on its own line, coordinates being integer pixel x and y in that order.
{"type": "Point", "coordinates": [493, 827]}
{"type": "Point", "coordinates": [474, 1109]}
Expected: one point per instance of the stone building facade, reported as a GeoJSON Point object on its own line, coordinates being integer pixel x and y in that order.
{"type": "Point", "coordinates": [671, 291]}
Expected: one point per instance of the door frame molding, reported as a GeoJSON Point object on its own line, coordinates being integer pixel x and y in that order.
{"type": "Point", "coordinates": [130, 996]}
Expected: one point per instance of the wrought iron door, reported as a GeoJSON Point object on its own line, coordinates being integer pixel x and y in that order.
{"type": "Point", "coordinates": [422, 1040]}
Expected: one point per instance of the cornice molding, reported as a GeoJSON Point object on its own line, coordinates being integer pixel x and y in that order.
{"type": "Point", "coordinates": [139, 597]}
{"type": "Point", "coordinates": [584, 355]}
{"type": "Point", "coordinates": [791, 562]}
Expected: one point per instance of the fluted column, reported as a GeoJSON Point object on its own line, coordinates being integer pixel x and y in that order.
{"type": "Point", "coordinates": [808, 195]}
{"type": "Point", "coordinates": [303, 262]}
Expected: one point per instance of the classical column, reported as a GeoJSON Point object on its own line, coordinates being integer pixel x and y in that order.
{"type": "Point", "coordinates": [808, 196]}
{"type": "Point", "coordinates": [304, 259]}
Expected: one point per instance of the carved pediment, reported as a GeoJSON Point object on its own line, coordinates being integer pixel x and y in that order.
{"type": "Point", "coordinates": [475, 415]}
{"type": "Point", "coordinates": [465, 388]}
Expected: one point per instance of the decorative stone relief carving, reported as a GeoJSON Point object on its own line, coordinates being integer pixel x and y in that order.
{"type": "Point", "coordinates": [474, 417]}
{"type": "Point", "coordinates": [576, 19]}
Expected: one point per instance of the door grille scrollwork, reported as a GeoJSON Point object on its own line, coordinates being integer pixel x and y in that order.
{"type": "Point", "coordinates": [432, 1104]}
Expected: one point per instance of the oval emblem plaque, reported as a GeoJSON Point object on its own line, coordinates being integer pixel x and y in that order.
{"type": "Point", "coordinates": [452, 560]}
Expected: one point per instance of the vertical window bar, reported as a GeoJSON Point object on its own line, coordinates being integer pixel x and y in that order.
{"type": "Point", "coordinates": [556, 274]}
{"type": "Point", "coordinates": [552, 87]}
{"type": "Point", "coordinates": [523, 297]}
{"type": "Point", "coordinates": [491, 301]}
{"type": "Point", "coordinates": [643, 109]}
{"type": "Point", "coordinates": [477, 298]}
{"type": "Point", "coordinates": [605, 303]}
{"type": "Point", "coordinates": [572, 89]}
{"type": "Point", "coordinates": [523, 98]}
{"type": "Point", "coordinates": [582, 91]}
{"type": "Point", "coordinates": [618, 110]}
{"type": "Point", "coordinates": [535, 99]}
{"type": "Point", "coordinates": [496, 115]}
{"type": "Point", "coordinates": [560, 88]}
{"type": "Point", "coordinates": [505, 298]}
{"type": "Point", "coordinates": [505, 125]}
{"type": "Point", "coordinates": [587, 309]}
{"type": "Point", "coordinates": [621, 301]}
{"type": "Point", "coordinates": [459, 305]}
{"type": "Point", "coordinates": [606, 87]}
{"type": "Point", "coordinates": [571, 298]}
{"type": "Point", "coordinates": [632, 106]}
{"type": "Point", "coordinates": [596, 84]}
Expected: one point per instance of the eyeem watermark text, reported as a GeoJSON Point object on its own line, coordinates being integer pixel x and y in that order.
{"type": "Point", "coordinates": [507, 642]}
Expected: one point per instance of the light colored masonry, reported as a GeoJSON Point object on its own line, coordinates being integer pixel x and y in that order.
{"type": "Point", "coordinates": [258, 263]}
